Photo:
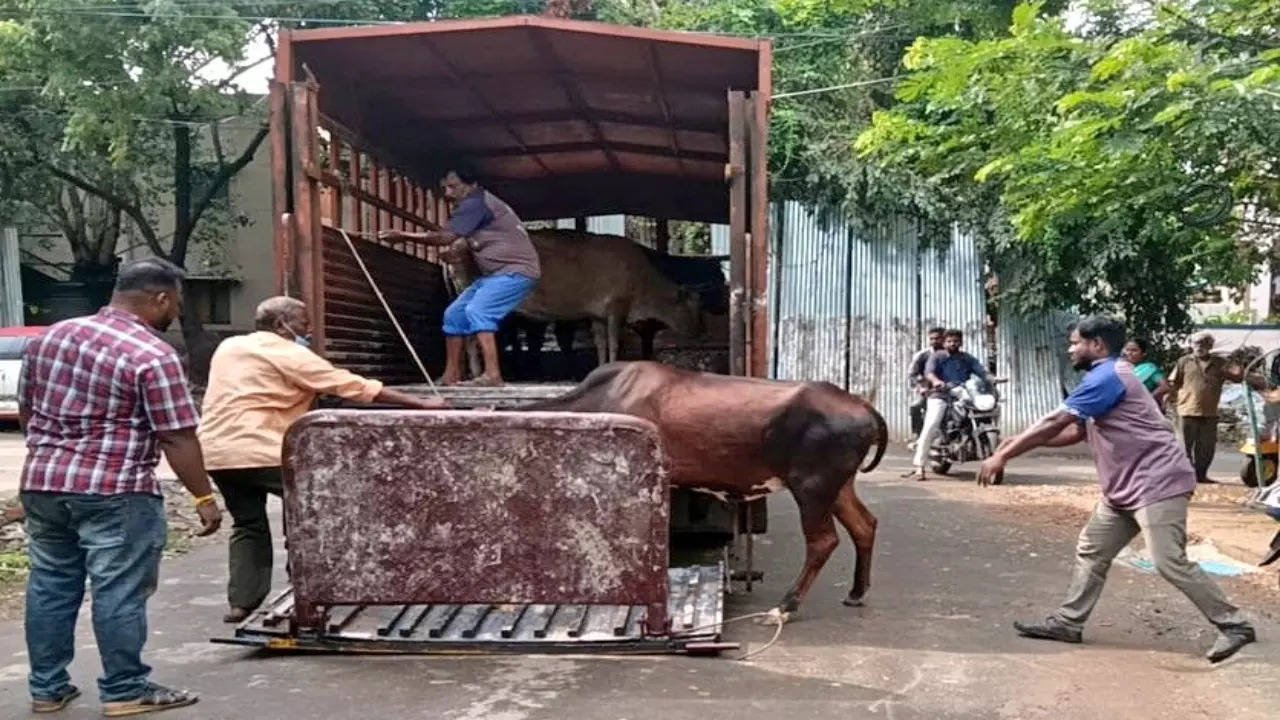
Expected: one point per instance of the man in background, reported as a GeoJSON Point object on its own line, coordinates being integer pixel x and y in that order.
{"type": "Point", "coordinates": [1196, 385]}
{"type": "Point", "coordinates": [945, 369]}
{"type": "Point", "coordinates": [99, 397]}
{"type": "Point", "coordinates": [919, 385]}
{"type": "Point", "coordinates": [259, 384]}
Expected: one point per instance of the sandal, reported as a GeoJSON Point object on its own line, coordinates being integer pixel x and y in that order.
{"type": "Point", "coordinates": [54, 704]}
{"type": "Point", "coordinates": [153, 699]}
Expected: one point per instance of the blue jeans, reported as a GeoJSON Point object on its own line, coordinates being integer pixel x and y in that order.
{"type": "Point", "coordinates": [485, 302]}
{"type": "Point", "coordinates": [113, 540]}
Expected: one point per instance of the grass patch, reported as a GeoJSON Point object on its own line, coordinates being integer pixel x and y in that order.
{"type": "Point", "coordinates": [177, 542]}
{"type": "Point", "coordinates": [14, 566]}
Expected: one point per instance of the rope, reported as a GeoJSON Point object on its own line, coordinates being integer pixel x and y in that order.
{"type": "Point", "coordinates": [777, 633]}
{"type": "Point", "coordinates": [376, 291]}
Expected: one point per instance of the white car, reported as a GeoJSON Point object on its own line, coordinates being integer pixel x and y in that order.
{"type": "Point", "coordinates": [13, 342]}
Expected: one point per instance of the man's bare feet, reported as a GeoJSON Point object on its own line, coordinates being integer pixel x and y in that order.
{"type": "Point", "coordinates": [448, 380]}
{"type": "Point", "coordinates": [484, 381]}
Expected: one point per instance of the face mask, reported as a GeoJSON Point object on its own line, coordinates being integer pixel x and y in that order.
{"type": "Point", "coordinates": [303, 340]}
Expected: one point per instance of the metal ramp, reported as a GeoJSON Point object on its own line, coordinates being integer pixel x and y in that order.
{"type": "Point", "coordinates": [696, 600]}
{"type": "Point", "coordinates": [482, 532]}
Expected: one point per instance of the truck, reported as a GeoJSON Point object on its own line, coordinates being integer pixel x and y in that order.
{"type": "Point", "coordinates": [561, 119]}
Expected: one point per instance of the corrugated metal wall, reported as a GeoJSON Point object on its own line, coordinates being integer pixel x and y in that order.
{"type": "Point", "coordinates": [813, 296]}
{"type": "Point", "coordinates": [1033, 355]}
{"type": "Point", "coordinates": [602, 224]}
{"type": "Point", "coordinates": [851, 308]}
{"type": "Point", "coordinates": [885, 314]}
{"type": "Point", "coordinates": [951, 291]}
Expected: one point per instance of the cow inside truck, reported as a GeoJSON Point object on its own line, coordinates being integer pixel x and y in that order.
{"type": "Point", "coordinates": [561, 120]}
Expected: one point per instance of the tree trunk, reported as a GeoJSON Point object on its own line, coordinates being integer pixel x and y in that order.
{"type": "Point", "coordinates": [199, 344]}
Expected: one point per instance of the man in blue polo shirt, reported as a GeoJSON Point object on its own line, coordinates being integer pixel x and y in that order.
{"type": "Point", "coordinates": [1146, 482]}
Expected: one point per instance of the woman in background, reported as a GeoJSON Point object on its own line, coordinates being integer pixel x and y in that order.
{"type": "Point", "coordinates": [1152, 377]}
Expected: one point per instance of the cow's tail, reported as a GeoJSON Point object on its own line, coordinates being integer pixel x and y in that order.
{"type": "Point", "coordinates": [882, 440]}
{"type": "Point", "coordinates": [570, 401]}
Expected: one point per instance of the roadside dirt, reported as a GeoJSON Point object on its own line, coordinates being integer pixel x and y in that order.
{"type": "Point", "coordinates": [183, 523]}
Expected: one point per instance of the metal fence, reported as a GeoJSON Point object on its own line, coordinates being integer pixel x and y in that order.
{"type": "Point", "coordinates": [602, 224]}
{"type": "Point", "coordinates": [1033, 355]}
{"type": "Point", "coordinates": [852, 309]}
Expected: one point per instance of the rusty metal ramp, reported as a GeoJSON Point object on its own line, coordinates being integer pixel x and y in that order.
{"type": "Point", "coordinates": [430, 531]}
{"type": "Point", "coordinates": [696, 600]}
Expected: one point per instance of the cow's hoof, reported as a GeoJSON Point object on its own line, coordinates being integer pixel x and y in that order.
{"type": "Point", "coordinates": [775, 616]}
{"type": "Point", "coordinates": [852, 601]}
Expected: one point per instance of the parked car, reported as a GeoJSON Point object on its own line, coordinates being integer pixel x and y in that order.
{"type": "Point", "coordinates": [13, 342]}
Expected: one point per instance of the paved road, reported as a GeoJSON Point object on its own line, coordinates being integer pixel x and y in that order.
{"type": "Point", "coordinates": [932, 642]}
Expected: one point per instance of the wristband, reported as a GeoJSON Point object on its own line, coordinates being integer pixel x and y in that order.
{"type": "Point", "coordinates": [204, 499]}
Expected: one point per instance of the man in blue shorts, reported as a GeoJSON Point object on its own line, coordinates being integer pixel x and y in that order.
{"type": "Point", "coordinates": [509, 269]}
{"type": "Point", "coordinates": [1146, 481]}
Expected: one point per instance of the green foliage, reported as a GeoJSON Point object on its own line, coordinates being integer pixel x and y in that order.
{"type": "Point", "coordinates": [827, 44]}
{"type": "Point", "coordinates": [1115, 171]}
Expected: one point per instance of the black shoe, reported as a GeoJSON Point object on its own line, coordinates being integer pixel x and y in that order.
{"type": "Point", "coordinates": [1229, 642]}
{"type": "Point", "coordinates": [1051, 629]}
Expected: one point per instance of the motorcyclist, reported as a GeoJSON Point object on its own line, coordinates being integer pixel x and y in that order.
{"type": "Point", "coordinates": [945, 369]}
{"type": "Point", "coordinates": [919, 385]}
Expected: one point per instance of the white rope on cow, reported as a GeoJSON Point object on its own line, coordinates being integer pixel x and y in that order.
{"type": "Point", "coordinates": [385, 306]}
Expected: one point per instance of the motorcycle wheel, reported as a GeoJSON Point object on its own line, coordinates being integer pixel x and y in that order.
{"type": "Point", "coordinates": [941, 467]}
{"type": "Point", "coordinates": [1249, 472]}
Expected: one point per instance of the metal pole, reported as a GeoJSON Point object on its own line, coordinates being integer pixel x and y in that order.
{"type": "Point", "coordinates": [11, 314]}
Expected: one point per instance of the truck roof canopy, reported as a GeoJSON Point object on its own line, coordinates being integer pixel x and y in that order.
{"type": "Point", "coordinates": [560, 118]}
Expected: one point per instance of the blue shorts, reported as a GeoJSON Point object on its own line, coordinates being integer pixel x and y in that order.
{"type": "Point", "coordinates": [485, 302]}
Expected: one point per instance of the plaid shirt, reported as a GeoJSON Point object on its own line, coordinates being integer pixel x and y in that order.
{"type": "Point", "coordinates": [97, 389]}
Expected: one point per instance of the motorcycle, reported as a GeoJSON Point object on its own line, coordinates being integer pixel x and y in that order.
{"type": "Point", "coordinates": [971, 427]}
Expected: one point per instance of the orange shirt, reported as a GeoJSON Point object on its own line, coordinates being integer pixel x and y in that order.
{"type": "Point", "coordinates": [259, 384]}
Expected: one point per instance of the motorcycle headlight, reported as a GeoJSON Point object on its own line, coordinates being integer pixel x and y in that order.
{"type": "Point", "coordinates": [984, 403]}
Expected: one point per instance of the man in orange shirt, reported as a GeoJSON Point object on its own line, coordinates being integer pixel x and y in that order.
{"type": "Point", "coordinates": [259, 384]}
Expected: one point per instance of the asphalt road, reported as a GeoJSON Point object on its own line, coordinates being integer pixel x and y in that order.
{"type": "Point", "coordinates": [933, 641]}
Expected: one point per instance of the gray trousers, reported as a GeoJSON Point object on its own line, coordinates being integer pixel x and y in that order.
{"type": "Point", "coordinates": [1200, 435]}
{"type": "Point", "coordinates": [1164, 526]}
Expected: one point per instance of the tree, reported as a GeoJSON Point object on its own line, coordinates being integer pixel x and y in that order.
{"type": "Point", "coordinates": [112, 106]}
{"type": "Point", "coordinates": [1116, 169]}
{"type": "Point", "coordinates": [850, 48]}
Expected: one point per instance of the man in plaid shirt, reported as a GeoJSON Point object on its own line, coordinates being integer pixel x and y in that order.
{"type": "Point", "coordinates": [99, 396]}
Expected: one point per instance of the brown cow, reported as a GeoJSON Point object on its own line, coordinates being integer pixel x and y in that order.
{"type": "Point", "coordinates": [745, 437]}
{"type": "Point", "coordinates": [604, 278]}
